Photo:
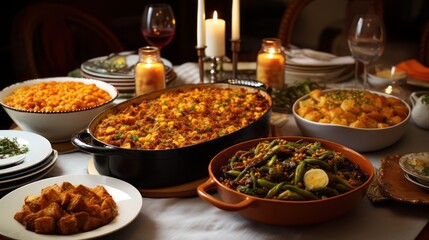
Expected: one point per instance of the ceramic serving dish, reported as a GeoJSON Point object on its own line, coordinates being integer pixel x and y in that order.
{"type": "Point", "coordinates": [56, 126]}
{"type": "Point", "coordinates": [283, 212]}
{"type": "Point", "coordinates": [359, 139]}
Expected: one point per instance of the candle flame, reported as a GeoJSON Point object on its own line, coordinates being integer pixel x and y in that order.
{"type": "Point", "coordinates": [215, 16]}
{"type": "Point", "coordinates": [389, 89]}
{"type": "Point", "coordinates": [271, 50]}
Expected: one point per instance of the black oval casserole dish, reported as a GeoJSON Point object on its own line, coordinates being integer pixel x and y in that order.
{"type": "Point", "coordinates": [170, 167]}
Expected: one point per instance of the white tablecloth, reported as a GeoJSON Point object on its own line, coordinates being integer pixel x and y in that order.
{"type": "Point", "coordinates": [193, 218]}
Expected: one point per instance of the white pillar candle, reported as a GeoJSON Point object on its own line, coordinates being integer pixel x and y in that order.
{"type": "Point", "coordinates": [215, 36]}
{"type": "Point", "coordinates": [201, 25]}
{"type": "Point", "coordinates": [235, 28]}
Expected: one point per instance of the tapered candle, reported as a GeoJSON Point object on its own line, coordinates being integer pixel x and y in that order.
{"type": "Point", "coordinates": [215, 36]}
{"type": "Point", "coordinates": [201, 25]}
{"type": "Point", "coordinates": [235, 28]}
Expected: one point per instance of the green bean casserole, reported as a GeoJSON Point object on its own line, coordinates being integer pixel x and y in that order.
{"type": "Point", "coordinates": [182, 117]}
{"type": "Point", "coordinates": [291, 170]}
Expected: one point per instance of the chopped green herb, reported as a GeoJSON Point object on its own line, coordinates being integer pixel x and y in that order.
{"type": "Point", "coordinates": [11, 147]}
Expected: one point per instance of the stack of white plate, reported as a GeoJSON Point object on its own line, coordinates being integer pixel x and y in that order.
{"type": "Point", "coordinates": [36, 163]}
{"type": "Point", "coordinates": [320, 67]}
{"type": "Point", "coordinates": [123, 81]}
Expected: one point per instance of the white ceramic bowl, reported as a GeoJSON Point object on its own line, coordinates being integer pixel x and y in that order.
{"type": "Point", "coordinates": [416, 165]}
{"type": "Point", "coordinates": [359, 139]}
{"type": "Point", "coordinates": [56, 126]}
{"type": "Point", "coordinates": [381, 76]}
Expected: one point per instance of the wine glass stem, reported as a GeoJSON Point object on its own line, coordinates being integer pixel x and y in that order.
{"type": "Point", "coordinates": [356, 73]}
{"type": "Point", "coordinates": [365, 77]}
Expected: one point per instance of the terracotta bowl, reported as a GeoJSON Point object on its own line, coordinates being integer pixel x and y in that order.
{"type": "Point", "coordinates": [284, 212]}
{"type": "Point", "coordinates": [56, 126]}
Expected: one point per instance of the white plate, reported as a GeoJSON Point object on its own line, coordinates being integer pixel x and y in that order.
{"type": "Point", "coordinates": [30, 178]}
{"type": "Point", "coordinates": [30, 171]}
{"type": "Point", "coordinates": [414, 180]}
{"type": "Point", "coordinates": [131, 59]}
{"type": "Point", "coordinates": [39, 148]}
{"type": "Point", "coordinates": [126, 196]}
{"type": "Point", "coordinates": [12, 160]}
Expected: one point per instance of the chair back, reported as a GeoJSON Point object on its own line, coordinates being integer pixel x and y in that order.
{"type": "Point", "coordinates": [50, 39]}
{"type": "Point", "coordinates": [424, 45]}
{"type": "Point", "coordinates": [295, 8]}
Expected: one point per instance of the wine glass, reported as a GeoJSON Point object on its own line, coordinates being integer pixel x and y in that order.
{"type": "Point", "coordinates": [366, 40]}
{"type": "Point", "coordinates": [158, 24]}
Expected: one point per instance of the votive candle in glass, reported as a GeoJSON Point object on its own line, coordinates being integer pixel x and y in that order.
{"type": "Point", "coordinates": [270, 67]}
{"type": "Point", "coordinates": [149, 71]}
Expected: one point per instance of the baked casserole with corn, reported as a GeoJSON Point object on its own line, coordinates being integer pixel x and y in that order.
{"type": "Point", "coordinates": [182, 117]}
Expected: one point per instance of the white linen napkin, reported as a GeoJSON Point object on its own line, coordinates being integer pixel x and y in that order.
{"type": "Point", "coordinates": [317, 58]}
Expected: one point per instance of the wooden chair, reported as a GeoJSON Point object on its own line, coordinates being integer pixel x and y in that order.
{"type": "Point", "coordinates": [295, 8]}
{"type": "Point", "coordinates": [424, 45]}
{"type": "Point", "coordinates": [50, 39]}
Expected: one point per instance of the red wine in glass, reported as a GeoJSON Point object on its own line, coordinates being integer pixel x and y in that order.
{"type": "Point", "coordinates": [159, 38]}
{"type": "Point", "coordinates": [158, 24]}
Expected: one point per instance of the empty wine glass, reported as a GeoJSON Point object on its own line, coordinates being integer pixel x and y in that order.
{"type": "Point", "coordinates": [366, 40]}
{"type": "Point", "coordinates": [158, 24]}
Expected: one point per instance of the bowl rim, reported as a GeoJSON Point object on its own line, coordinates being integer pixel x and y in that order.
{"type": "Point", "coordinates": [403, 165]}
{"type": "Point", "coordinates": [333, 125]}
{"type": "Point", "coordinates": [98, 83]}
{"type": "Point", "coordinates": [323, 141]}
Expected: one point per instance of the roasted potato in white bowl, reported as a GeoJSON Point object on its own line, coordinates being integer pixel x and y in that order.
{"type": "Point", "coordinates": [360, 119]}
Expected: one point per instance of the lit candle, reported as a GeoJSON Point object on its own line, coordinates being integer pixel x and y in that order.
{"type": "Point", "coordinates": [149, 71]}
{"type": "Point", "coordinates": [235, 29]}
{"type": "Point", "coordinates": [270, 69]}
{"type": "Point", "coordinates": [201, 25]}
{"type": "Point", "coordinates": [215, 36]}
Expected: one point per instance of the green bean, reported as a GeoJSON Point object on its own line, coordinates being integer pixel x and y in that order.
{"type": "Point", "coordinates": [254, 192]}
{"type": "Point", "coordinates": [325, 191]}
{"type": "Point", "coordinates": [252, 176]}
{"type": "Point", "coordinates": [275, 190]}
{"type": "Point", "coordinates": [264, 168]}
{"type": "Point", "coordinates": [271, 153]}
{"type": "Point", "coordinates": [257, 149]}
{"type": "Point", "coordinates": [231, 161]}
{"type": "Point", "coordinates": [306, 194]}
{"type": "Point", "coordinates": [325, 155]}
{"type": "Point", "coordinates": [272, 160]}
{"type": "Point", "coordinates": [265, 183]}
{"type": "Point", "coordinates": [273, 143]}
{"type": "Point", "coordinates": [318, 162]}
{"type": "Point", "coordinates": [241, 175]}
{"type": "Point", "coordinates": [288, 194]}
{"type": "Point", "coordinates": [342, 188]}
{"type": "Point", "coordinates": [233, 173]}
{"type": "Point", "coordinates": [338, 179]}
{"type": "Point", "coordinates": [299, 172]}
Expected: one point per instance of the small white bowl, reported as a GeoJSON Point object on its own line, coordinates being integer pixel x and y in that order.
{"type": "Point", "coordinates": [381, 76]}
{"type": "Point", "coordinates": [416, 165]}
{"type": "Point", "coordinates": [56, 126]}
{"type": "Point", "coordinates": [359, 139]}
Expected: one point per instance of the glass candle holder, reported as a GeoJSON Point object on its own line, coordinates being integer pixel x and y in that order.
{"type": "Point", "coordinates": [270, 67]}
{"type": "Point", "coordinates": [149, 72]}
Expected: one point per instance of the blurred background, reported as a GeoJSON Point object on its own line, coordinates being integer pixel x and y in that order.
{"type": "Point", "coordinates": [319, 26]}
